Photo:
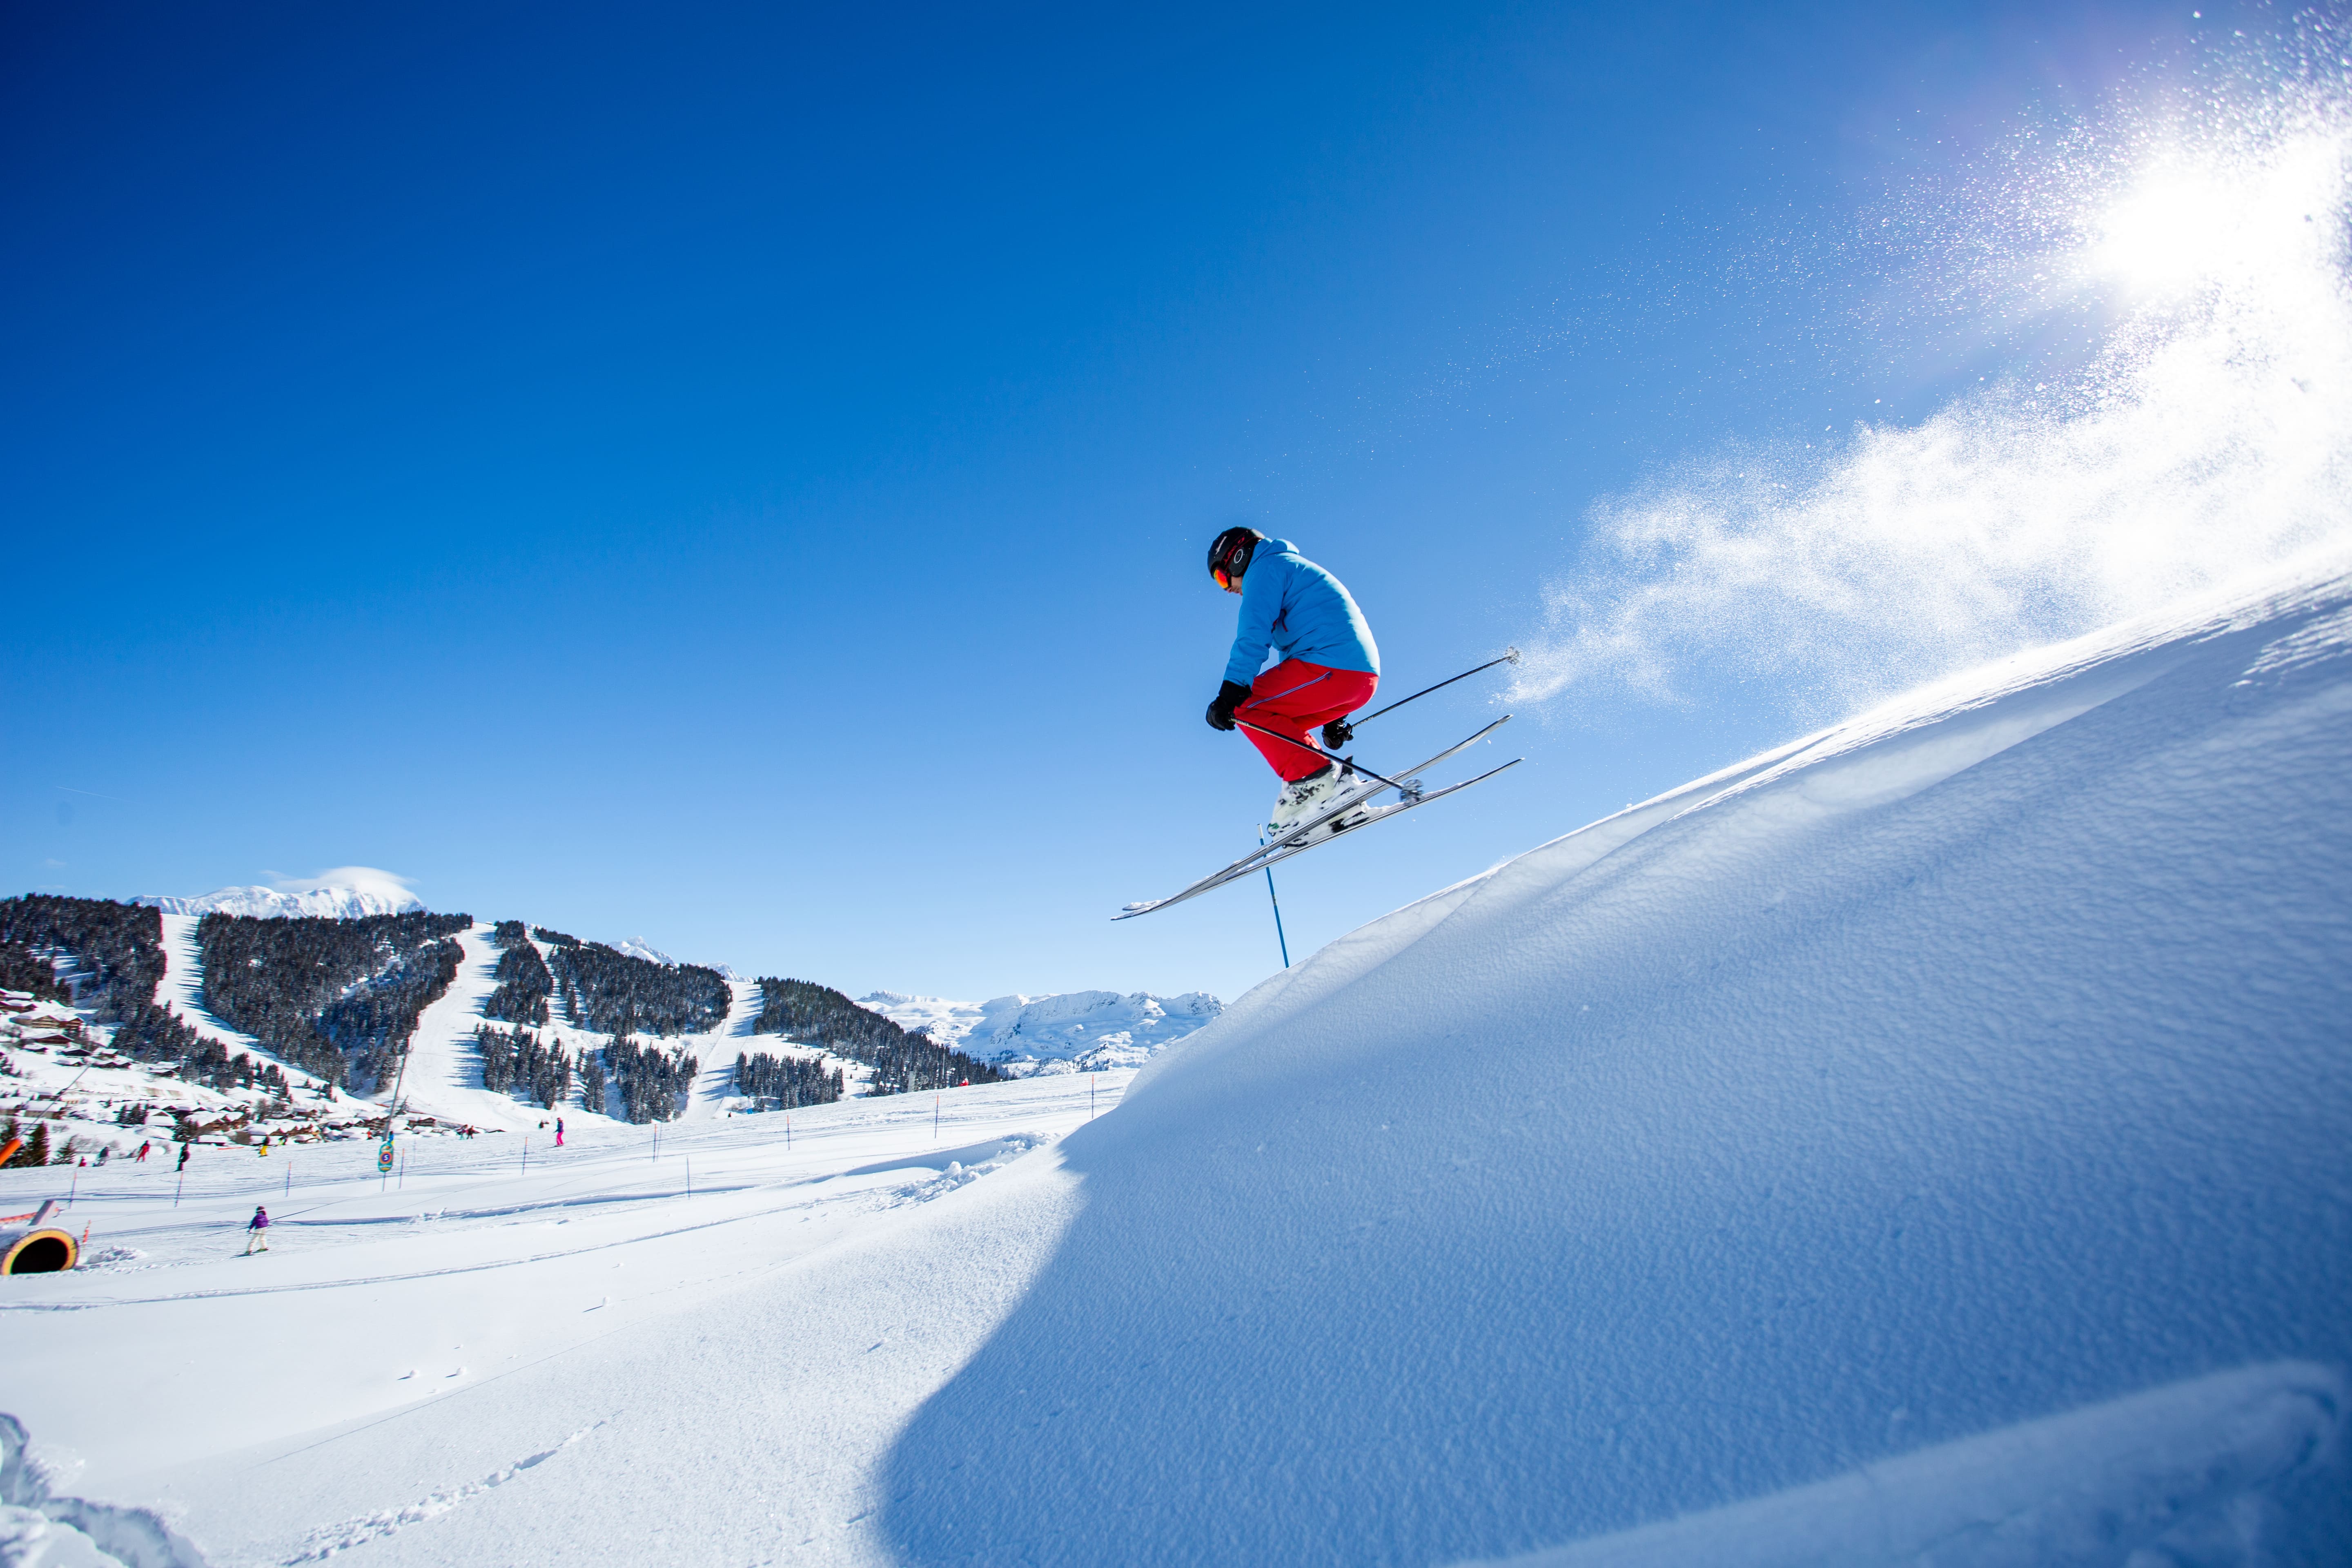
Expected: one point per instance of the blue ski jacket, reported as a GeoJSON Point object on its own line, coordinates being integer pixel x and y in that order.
{"type": "Point", "coordinates": [1299, 610]}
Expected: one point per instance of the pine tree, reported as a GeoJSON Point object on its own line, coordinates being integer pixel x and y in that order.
{"type": "Point", "coordinates": [37, 1148]}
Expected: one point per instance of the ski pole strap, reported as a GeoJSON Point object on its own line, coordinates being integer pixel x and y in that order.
{"type": "Point", "coordinates": [1510, 655]}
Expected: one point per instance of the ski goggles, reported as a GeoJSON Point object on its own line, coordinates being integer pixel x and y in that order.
{"type": "Point", "coordinates": [1223, 578]}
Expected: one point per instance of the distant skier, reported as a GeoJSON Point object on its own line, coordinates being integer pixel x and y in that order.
{"type": "Point", "coordinates": [142, 1151]}
{"type": "Point", "coordinates": [256, 1231]}
{"type": "Point", "coordinates": [559, 1132]}
{"type": "Point", "coordinates": [1330, 665]}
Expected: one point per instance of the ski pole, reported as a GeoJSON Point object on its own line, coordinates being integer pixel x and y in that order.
{"type": "Point", "coordinates": [1278, 911]}
{"type": "Point", "coordinates": [1326, 756]}
{"type": "Point", "coordinates": [1510, 655]}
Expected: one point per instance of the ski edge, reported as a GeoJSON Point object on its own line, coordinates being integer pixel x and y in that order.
{"type": "Point", "coordinates": [1297, 837]}
{"type": "Point", "coordinates": [1290, 845]}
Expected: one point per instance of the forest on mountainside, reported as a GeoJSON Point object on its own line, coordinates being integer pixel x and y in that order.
{"type": "Point", "coordinates": [21, 969]}
{"type": "Point", "coordinates": [790, 1082]}
{"type": "Point", "coordinates": [610, 991]}
{"type": "Point", "coordinates": [518, 1062]}
{"type": "Point", "coordinates": [339, 998]}
{"type": "Point", "coordinates": [116, 950]}
{"type": "Point", "coordinates": [903, 1062]}
{"type": "Point", "coordinates": [523, 982]}
{"type": "Point", "coordinates": [649, 1082]}
{"type": "Point", "coordinates": [108, 958]}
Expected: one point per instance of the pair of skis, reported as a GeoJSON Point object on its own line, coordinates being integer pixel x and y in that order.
{"type": "Point", "coordinates": [1349, 814]}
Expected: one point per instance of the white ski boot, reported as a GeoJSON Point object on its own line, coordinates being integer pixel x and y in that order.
{"type": "Point", "coordinates": [1302, 800]}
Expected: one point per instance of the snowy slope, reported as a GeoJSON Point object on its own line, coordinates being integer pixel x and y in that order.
{"type": "Point", "coordinates": [1923, 1143]}
{"type": "Point", "coordinates": [1067, 1032]}
{"type": "Point", "coordinates": [1974, 1062]}
{"type": "Point", "coordinates": [511, 1356]}
{"type": "Point", "coordinates": [444, 1076]}
{"type": "Point", "coordinates": [713, 1092]}
{"type": "Point", "coordinates": [182, 985]}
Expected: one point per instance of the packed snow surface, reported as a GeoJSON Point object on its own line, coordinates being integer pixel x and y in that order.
{"type": "Point", "coordinates": [1071, 1031]}
{"type": "Point", "coordinates": [1922, 1143]}
{"type": "Point", "coordinates": [1977, 1061]}
{"type": "Point", "coordinates": [503, 1350]}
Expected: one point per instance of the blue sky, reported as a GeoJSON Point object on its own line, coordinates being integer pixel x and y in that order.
{"type": "Point", "coordinates": [739, 475]}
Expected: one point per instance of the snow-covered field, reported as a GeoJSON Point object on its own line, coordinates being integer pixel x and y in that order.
{"type": "Point", "coordinates": [1923, 1143]}
{"type": "Point", "coordinates": [421, 1364]}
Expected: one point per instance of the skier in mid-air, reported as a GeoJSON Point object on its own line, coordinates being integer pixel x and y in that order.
{"type": "Point", "coordinates": [1329, 668]}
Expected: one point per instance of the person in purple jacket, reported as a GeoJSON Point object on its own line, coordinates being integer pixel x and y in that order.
{"type": "Point", "coordinates": [256, 1231]}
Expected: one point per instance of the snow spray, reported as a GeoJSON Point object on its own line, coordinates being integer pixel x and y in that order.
{"type": "Point", "coordinates": [2155, 292]}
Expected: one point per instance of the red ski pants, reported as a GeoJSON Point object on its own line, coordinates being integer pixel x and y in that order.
{"type": "Point", "coordinates": [1291, 698]}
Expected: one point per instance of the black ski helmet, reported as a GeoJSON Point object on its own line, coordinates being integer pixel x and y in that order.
{"type": "Point", "coordinates": [1229, 555]}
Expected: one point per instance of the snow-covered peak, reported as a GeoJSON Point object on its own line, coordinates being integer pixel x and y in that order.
{"type": "Point", "coordinates": [1090, 1028]}
{"type": "Point", "coordinates": [333, 903]}
{"type": "Point", "coordinates": [637, 947]}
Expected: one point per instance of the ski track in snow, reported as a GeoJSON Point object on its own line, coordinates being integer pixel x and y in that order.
{"type": "Point", "coordinates": [328, 1541]}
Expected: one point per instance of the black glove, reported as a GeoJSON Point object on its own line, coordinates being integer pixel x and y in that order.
{"type": "Point", "coordinates": [1337, 733]}
{"type": "Point", "coordinates": [1230, 696]}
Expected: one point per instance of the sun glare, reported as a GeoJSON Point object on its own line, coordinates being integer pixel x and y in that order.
{"type": "Point", "coordinates": [2172, 231]}
{"type": "Point", "coordinates": [2180, 226]}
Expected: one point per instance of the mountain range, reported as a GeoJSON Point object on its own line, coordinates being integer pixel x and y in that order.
{"type": "Point", "coordinates": [1075, 1031]}
{"type": "Point", "coordinates": [341, 903]}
